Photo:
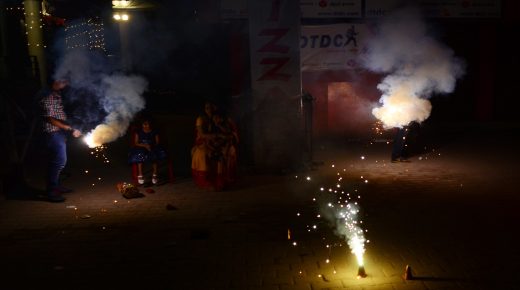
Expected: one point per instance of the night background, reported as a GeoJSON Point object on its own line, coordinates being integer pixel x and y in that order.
{"type": "Point", "coordinates": [301, 87]}
{"type": "Point", "coordinates": [189, 52]}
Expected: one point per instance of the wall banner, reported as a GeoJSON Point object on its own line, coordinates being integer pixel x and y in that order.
{"type": "Point", "coordinates": [331, 8]}
{"type": "Point", "coordinates": [332, 47]}
{"type": "Point", "coordinates": [438, 8]}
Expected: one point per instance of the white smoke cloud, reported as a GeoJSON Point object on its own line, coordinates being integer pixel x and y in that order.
{"type": "Point", "coordinates": [119, 95]}
{"type": "Point", "coordinates": [417, 65]}
{"type": "Point", "coordinates": [122, 100]}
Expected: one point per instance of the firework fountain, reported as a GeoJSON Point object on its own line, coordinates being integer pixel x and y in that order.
{"type": "Point", "coordinates": [348, 216]}
{"type": "Point", "coordinates": [340, 207]}
{"type": "Point", "coordinates": [344, 215]}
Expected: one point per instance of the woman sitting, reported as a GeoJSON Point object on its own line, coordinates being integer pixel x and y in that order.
{"type": "Point", "coordinates": [214, 159]}
{"type": "Point", "coordinates": [227, 136]}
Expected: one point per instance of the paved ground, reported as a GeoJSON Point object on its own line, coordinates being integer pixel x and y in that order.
{"type": "Point", "coordinates": [451, 214]}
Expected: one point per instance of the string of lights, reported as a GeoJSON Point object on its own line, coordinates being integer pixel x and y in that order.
{"type": "Point", "coordinates": [33, 20]}
{"type": "Point", "coordinates": [86, 34]}
{"type": "Point", "coordinates": [30, 22]}
{"type": "Point", "coordinates": [14, 8]}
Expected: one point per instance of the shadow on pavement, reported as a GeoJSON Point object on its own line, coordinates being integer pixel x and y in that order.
{"type": "Point", "coordinates": [437, 279]}
{"type": "Point", "coordinates": [25, 192]}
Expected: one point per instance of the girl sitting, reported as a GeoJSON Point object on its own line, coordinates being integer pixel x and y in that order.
{"type": "Point", "coordinates": [146, 149]}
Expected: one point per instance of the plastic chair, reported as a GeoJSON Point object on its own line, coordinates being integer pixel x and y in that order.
{"type": "Point", "coordinates": [168, 161]}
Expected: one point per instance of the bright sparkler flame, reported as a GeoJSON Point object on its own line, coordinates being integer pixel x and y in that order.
{"type": "Point", "coordinates": [358, 248]}
{"type": "Point", "coordinates": [89, 140]}
{"type": "Point", "coordinates": [106, 132]}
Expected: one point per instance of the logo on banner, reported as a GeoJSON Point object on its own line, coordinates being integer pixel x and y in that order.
{"type": "Point", "coordinates": [327, 40]}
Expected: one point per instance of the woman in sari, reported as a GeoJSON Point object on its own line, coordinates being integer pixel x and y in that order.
{"type": "Point", "coordinates": [214, 156]}
{"type": "Point", "coordinates": [226, 146]}
{"type": "Point", "coordinates": [202, 168]}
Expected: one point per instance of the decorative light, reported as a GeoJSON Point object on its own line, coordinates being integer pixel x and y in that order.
{"type": "Point", "coordinates": [120, 4]}
{"type": "Point", "coordinates": [87, 34]}
{"type": "Point", "coordinates": [121, 17]}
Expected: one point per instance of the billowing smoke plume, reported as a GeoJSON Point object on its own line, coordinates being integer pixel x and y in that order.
{"type": "Point", "coordinates": [119, 96]}
{"type": "Point", "coordinates": [417, 65]}
{"type": "Point", "coordinates": [122, 100]}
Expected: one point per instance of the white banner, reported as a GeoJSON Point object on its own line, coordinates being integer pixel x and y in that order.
{"type": "Point", "coordinates": [332, 47]}
{"type": "Point", "coordinates": [331, 8]}
{"type": "Point", "coordinates": [236, 9]}
{"type": "Point", "coordinates": [274, 31]}
{"type": "Point", "coordinates": [233, 9]}
{"type": "Point", "coordinates": [438, 8]}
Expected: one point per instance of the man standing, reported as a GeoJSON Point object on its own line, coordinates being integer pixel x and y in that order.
{"type": "Point", "coordinates": [56, 130]}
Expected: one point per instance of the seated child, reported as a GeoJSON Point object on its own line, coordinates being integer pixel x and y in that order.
{"type": "Point", "coordinates": [146, 149]}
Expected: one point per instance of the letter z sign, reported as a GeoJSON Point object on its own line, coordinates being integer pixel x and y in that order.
{"type": "Point", "coordinates": [273, 46]}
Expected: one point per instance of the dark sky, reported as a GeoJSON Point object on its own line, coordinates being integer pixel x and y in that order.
{"type": "Point", "coordinates": [82, 8]}
{"type": "Point", "coordinates": [170, 42]}
{"type": "Point", "coordinates": [73, 9]}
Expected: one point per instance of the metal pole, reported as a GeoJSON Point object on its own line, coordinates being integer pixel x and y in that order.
{"type": "Point", "coordinates": [3, 43]}
{"type": "Point", "coordinates": [33, 27]}
{"type": "Point", "coordinates": [308, 100]}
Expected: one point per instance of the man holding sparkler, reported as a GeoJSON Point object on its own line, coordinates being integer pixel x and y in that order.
{"type": "Point", "coordinates": [56, 130]}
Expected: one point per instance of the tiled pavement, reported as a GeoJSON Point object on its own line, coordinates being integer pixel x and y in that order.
{"type": "Point", "coordinates": [451, 214]}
